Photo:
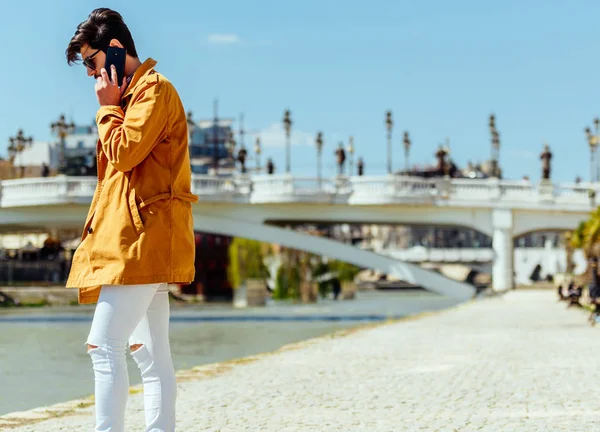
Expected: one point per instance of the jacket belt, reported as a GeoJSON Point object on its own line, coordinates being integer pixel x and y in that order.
{"type": "Point", "coordinates": [191, 198]}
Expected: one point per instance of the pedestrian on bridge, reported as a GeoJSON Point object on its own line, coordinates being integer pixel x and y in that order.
{"type": "Point", "coordinates": [138, 235]}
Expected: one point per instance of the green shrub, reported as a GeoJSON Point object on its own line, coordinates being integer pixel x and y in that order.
{"type": "Point", "coordinates": [245, 261]}
{"type": "Point", "coordinates": [287, 282]}
{"type": "Point", "coordinates": [346, 272]}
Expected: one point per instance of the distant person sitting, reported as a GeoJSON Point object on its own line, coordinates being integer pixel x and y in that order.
{"type": "Point", "coordinates": [574, 294]}
{"type": "Point", "coordinates": [561, 295]}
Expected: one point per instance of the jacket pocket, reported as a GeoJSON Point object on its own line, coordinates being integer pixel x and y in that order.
{"type": "Point", "coordinates": [135, 213]}
{"type": "Point", "coordinates": [87, 228]}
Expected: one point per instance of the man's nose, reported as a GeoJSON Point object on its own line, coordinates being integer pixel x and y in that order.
{"type": "Point", "coordinates": [91, 72]}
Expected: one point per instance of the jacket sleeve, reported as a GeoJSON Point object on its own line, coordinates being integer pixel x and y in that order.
{"type": "Point", "coordinates": [128, 138]}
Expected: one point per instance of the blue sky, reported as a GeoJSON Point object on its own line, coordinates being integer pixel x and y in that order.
{"type": "Point", "coordinates": [441, 66]}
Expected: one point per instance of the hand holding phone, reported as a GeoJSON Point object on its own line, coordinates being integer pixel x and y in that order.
{"type": "Point", "coordinates": [112, 76]}
{"type": "Point", "coordinates": [115, 56]}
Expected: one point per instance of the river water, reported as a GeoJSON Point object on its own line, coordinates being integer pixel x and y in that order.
{"type": "Point", "coordinates": [43, 358]}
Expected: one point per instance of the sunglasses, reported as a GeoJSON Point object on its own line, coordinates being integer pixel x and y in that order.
{"type": "Point", "coordinates": [88, 62]}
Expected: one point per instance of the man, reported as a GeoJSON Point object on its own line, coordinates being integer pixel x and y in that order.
{"type": "Point", "coordinates": [138, 235]}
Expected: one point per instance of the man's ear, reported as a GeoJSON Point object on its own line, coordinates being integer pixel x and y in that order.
{"type": "Point", "coordinates": [115, 43]}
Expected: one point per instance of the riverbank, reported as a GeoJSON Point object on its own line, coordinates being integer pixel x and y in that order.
{"type": "Point", "coordinates": [200, 334]}
{"type": "Point", "coordinates": [512, 362]}
{"type": "Point", "coordinates": [38, 296]}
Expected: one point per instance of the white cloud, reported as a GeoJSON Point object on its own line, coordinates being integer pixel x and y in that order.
{"type": "Point", "coordinates": [274, 136]}
{"type": "Point", "coordinates": [223, 39]}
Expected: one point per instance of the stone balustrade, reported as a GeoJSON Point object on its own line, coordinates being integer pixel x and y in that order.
{"type": "Point", "coordinates": [367, 190]}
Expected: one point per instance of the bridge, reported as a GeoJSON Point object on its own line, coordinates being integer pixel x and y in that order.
{"type": "Point", "coordinates": [253, 206]}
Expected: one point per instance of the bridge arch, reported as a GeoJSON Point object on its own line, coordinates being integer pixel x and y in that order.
{"type": "Point", "coordinates": [429, 280]}
{"type": "Point", "coordinates": [529, 222]}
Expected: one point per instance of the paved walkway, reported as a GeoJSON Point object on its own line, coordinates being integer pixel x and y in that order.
{"type": "Point", "coordinates": [521, 362]}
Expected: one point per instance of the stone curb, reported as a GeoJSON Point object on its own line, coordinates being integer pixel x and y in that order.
{"type": "Point", "coordinates": [208, 371]}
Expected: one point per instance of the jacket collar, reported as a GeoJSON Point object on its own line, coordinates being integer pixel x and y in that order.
{"type": "Point", "coordinates": [143, 70]}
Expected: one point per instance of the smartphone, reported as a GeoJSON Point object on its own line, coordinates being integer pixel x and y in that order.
{"type": "Point", "coordinates": [116, 56]}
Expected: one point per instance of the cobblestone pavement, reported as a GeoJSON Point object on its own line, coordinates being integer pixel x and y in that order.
{"type": "Point", "coordinates": [521, 362]}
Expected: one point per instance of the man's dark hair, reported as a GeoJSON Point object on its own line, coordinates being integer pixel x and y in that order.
{"type": "Point", "coordinates": [97, 30]}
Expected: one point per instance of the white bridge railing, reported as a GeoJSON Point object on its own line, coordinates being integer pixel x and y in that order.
{"type": "Point", "coordinates": [355, 190]}
{"type": "Point", "coordinates": [46, 191]}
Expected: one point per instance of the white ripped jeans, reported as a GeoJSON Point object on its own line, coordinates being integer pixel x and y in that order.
{"type": "Point", "coordinates": [138, 315]}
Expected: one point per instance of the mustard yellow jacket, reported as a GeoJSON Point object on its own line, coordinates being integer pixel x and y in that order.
{"type": "Point", "coordinates": [139, 227]}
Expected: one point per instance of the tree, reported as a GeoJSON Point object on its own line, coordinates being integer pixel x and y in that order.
{"type": "Point", "coordinates": [576, 238]}
{"type": "Point", "coordinates": [288, 280]}
{"type": "Point", "coordinates": [586, 237]}
{"type": "Point", "coordinates": [592, 234]}
{"type": "Point", "coordinates": [346, 272]}
{"type": "Point", "coordinates": [246, 261]}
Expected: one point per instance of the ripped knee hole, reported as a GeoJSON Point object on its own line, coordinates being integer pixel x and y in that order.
{"type": "Point", "coordinates": [135, 347]}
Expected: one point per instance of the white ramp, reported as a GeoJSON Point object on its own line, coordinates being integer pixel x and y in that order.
{"type": "Point", "coordinates": [414, 274]}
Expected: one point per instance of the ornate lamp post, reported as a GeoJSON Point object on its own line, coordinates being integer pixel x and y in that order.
{"type": "Point", "coordinates": [341, 158]}
{"type": "Point", "coordinates": [496, 146]}
{"type": "Point", "coordinates": [389, 124]}
{"type": "Point", "coordinates": [351, 153]}
{"type": "Point", "coordinates": [257, 151]}
{"type": "Point", "coordinates": [18, 143]}
{"type": "Point", "coordinates": [597, 130]}
{"type": "Point", "coordinates": [287, 125]}
{"type": "Point", "coordinates": [319, 145]}
{"type": "Point", "coordinates": [62, 129]}
{"type": "Point", "coordinates": [593, 143]}
{"type": "Point", "coordinates": [495, 169]}
{"type": "Point", "coordinates": [407, 144]}
{"type": "Point", "coordinates": [191, 127]}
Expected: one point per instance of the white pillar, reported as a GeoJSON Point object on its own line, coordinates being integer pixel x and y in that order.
{"type": "Point", "coordinates": [549, 259]}
{"type": "Point", "coordinates": [502, 242]}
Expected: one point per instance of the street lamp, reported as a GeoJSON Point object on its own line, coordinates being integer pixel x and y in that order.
{"type": "Point", "coordinates": [351, 153]}
{"type": "Point", "coordinates": [597, 130]}
{"type": "Point", "coordinates": [191, 127]}
{"type": "Point", "coordinates": [287, 125]}
{"type": "Point", "coordinates": [341, 158]}
{"type": "Point", "coordinates": [17, 144]}
{"type": "Point", "coordinates": [62, 129]}
{"type": "Point", "coordinates": [495, 169]}
{"type": "Point", "coordinates": [319, 144]}
{"type": "Point", "coordinates": [496, 146]}
{"type": "Point", "coordinates": [407, 143]}
{"type": "Point", "coordinates": [242, 132]}
{"type": "Point", "coordinates": [593, 143]}
{"type": "Point", "coordinates": [389, 124]}
{"type": "Point", "coordinates": [257, 151]}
